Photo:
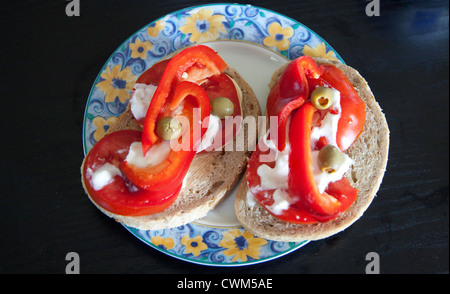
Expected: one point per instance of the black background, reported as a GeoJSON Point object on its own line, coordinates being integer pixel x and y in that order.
{"type": "Point", "coordinates": [49, 62]}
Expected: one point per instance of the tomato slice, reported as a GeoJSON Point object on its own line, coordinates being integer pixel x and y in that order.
{"type": "Point", "coordinates": [353, 114]}
{"type": "Point", "coordinates": [119, 196]}
{"type": "Point", "coordinates": [153, 75]}
{"type": "Point", "coordinates": [343, 191]}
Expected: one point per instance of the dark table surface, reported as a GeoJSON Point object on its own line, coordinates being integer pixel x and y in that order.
{"type": "Point", "coordinates": [49, 62]}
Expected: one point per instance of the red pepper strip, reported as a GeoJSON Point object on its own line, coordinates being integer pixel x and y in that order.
{"type": "Point", "coordinates": [290, 93]}
{"type": "Point", "coordinates": [293, 214]}
{"type": "Point", "coordinates": [188, 89]}
{"type": "Point", "coordinates": [166, 175]}
{"type": "Point", "coordinates": [171, 172]}
{"type": "Point", "coordinates": [199, 62]}
{"type": "Point", "coordinates": [301, 177]}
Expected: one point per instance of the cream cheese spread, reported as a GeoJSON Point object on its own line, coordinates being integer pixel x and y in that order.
{"type": "Point", "coordinates": [140, 101]}
{"type": "Point", "coordinates": [103, 176]}
{"type": "Point", "coordinates": [154, 156]}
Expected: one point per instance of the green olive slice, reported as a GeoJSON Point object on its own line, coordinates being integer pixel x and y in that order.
{"type": "Point", "coordinates": [330, 159]}
{"type": "Point", "coordinates": [222, 107]}
{"type": "Point", "coordinates": [322, 97]}
{"type": "Point", "coordinates": [168, 128]}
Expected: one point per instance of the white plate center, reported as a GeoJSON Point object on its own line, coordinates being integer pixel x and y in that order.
{"type": "Point", "coordinates": [256, 65]}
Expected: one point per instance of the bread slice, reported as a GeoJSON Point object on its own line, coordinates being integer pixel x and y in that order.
{"type": "Point", "coordinates": [369, 153]}
{"type": "Point", "coordinates": [211, 175]}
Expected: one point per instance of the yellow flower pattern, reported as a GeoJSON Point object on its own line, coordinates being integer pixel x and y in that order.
{"type": "Point", "coordinates": [240, 245]}
{"type": "Point", "coordinates": [165, 243]}
{"type": "Point", "coordinates": [319, 51]}
{"type": "Point", "coordinates": [154, 29]}
{"type": "Point", "coordinates": [278, 36]}
{"type": "Point", "coordinates": [194, 245]}
{"type": "Point", "coordinates": [139, 49]}
{"type": "Point", "coordinates": [102, 126]}
{"type": "Point", "coordinates": [117, 83]}
{"type": "Point", "coordinates": [204, 26]}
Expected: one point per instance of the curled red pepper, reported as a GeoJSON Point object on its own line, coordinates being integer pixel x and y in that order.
{"type": "Point", "coordinates": [301, 178]}
{"type": "Point", "coordinates": [290, 93]}
{"type": "Point", "coordinates": [179, 82]}
{"type": "Point", "coordinates": [197, 63]}
{"type": "Point", "coordinates": [190, 91]}
{"type": "Point", "coordinates": [171, 171]}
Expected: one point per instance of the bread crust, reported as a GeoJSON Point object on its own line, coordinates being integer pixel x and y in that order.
{"type": "Point", "coordinates": [369, 153]}
{"type": "Point", "coordinates": [210, 178]}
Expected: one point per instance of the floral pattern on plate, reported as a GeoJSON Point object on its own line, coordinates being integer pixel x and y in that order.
{"type": "Point", "coordinates": [231, 246]}
{"type": "Point", "coordinates": [111, 90]}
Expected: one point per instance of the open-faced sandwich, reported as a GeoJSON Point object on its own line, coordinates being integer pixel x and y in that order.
{"type": "Point", "coordinates": [164, 162]}
{"type": "Point", "coordinates": [323, 157]}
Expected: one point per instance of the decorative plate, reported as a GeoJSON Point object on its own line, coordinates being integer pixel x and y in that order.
{"type": "Point", "coordinates": [253, 40]}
